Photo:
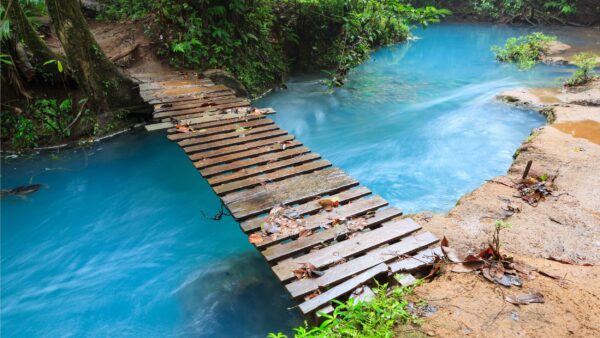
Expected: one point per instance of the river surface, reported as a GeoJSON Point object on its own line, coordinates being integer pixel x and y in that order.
{"type": "Point", "coordinates": [119, 242]}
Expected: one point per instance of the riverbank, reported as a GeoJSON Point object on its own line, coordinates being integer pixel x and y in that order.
{"type": "Point", "coordinates": [559, 235]}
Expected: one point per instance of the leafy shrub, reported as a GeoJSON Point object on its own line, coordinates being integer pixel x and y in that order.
{"type": "Point", "coordinates": [585, 71]}
{"type": "Point", "coordinates": [259, 41]}
{"type": "Point", "coordinates": [525, 51]}
{"type": "Point", "coordinates": [376, 318]}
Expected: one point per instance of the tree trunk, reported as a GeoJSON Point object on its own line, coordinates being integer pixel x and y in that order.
{"type": "Point", "coordinates": [103, 83]}
{"type": "Point", "coordinates": [40, 52]}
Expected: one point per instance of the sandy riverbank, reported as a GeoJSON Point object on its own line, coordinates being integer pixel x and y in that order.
{"type": "Point", "coordinates": [564, 226]}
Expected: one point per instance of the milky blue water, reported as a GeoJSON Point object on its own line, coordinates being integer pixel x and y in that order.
{"type": "Point", "coordinates": [116, 244]}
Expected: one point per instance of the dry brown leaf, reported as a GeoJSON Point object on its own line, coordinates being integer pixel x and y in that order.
{"type": "Point", "coordinates": [255, 238]}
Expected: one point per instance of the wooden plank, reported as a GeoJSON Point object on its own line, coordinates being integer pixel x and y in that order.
{"type": "Point", "coordinates": [258, 160]}
{"type": "Point", "coordinates": [183, 97]}
{"type": "Point", "coordinates": [190, 113]}
{"type": "Point", "coordinates": [323, 219]}
{"type": "Point", "coordinates": [340, 272]}
{"type": "Point", "coordinates": [244, 155]}
{"type": "Point", "coordinates": [276, 175]}
{"type": "Point", "coordinates": [200, 97]}
{"type": "Point", "coordinates": [308, 207]}
{"type": "Point", "coordinates": [219, 123]}
{"type": "Point", "coordinates": [221, 129]}
{"type": "Point", "coordinates": [420, 259]}
{"type": "Point", "coordinates": [198, 120]}
{"type": "Point", "coordinates": [263, 169]}
{"type": "Point", "coordinates": [344, 288]}
{"type": "Point", "coordinates": [355, 245]}
{"type": "Point", "coordinates": [239, 132]}
{"type": "Point", "coordinates": [275, 141]}
{"type": "Point", "coordinates": [252, 202]}
{"type": "Point", "coordinates": [235, 141]}
{"type": "Point", "coordinates": [284, 250]}
{"type": "Point", "coordinates": [220, 97]}
{"type": "Point", "coordinates": [205, 103]}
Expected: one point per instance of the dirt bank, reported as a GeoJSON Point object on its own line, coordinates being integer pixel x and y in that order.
{"type": "Point", "coordinates": [564, 226]}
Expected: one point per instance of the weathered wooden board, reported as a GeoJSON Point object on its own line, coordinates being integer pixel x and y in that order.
{"type": "Point", "coordinates": [263, 169]}
{"type": "Point", "coordinates": [218, 123]}
{"type": "Point", "coordinates": [203, 132]}
{"type": "Point", "coordinates": [240, 132]}
{"type": "Point", "coordinates": [195, 101]}
{"type": "Point", "coordinates": [255, 161]}
{"type": "Point", "coordinates": [178, 98]}
{"type": "Point", "coordinates": [276, 175]}
{"type": "Point", "coordinates": [343, 271]}
{"type": "Point", "coordinates": [308, 207]}
{"type": "Point", "coordinates": [255, 201]}
{"type": "Point", "coordinates": [192, 107]}
{"type": "Point", "coordinates": [190, 113]}
{"type": "Point", "coordinates": [324, 219]}
{"type": "Point", "coordinates": [231, 142]}
{"type": "Point", "coordinates": [286, 249]}
{"type": "Point", "coordinates": [198, 120]}
{"type": "Point", "coordinates": [355, 245]}
{"type": "Point", "coordinates": [244, 155]}
{"type": "Point", "coordinates": [421, 258]}
{"type": "Point", "coordinates": [341, 289]}
{"type": "Point", "coordinates": [277, 141]}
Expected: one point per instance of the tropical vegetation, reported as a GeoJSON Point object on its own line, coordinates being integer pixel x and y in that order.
{"type": "Point", "coordinates": [525, 51]}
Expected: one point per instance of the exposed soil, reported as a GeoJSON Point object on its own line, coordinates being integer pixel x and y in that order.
{"type": "Point", "coordinates": [564, 226]}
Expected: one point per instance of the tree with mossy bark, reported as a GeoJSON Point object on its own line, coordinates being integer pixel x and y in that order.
{"type": "Point", "coordinates": [106, 87]}
{"type": "Point", "coordinates": [27, 47]}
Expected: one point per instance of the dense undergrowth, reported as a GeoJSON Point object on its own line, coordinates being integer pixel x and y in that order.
{"type": "Point", "coordinates": [531, 12]}
{"type": "Point", "coordinates": [260, 41]}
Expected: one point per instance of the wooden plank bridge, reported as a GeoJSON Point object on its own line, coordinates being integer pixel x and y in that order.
{"type": "Point", "coordinates": [322, 233]}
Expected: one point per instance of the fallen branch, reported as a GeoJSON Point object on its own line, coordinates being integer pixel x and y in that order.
{"type": "Point", "coordinates": [125, 53]}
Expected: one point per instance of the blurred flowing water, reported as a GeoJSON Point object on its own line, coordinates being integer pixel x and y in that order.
{"type": "Point", "coordinates": [116, 243]}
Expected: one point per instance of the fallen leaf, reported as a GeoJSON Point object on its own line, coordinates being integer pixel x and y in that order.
{"type": "Point", "coordinates": [444, 242]}
{"type": "Point", "coordinates": [451, 254]}
{"type": "Point", "coordinates": [305, 233]}
{"type": "Point", "coordinates": [466, 267]}
{"type": "Point", "coordinates": [255, 238]}
{"type": "Point", "coordinates": [524, 299]}
{"type": "Point", "coordinates": [329, 203]}
{"type": "Point", "coordinates": [357, 224]}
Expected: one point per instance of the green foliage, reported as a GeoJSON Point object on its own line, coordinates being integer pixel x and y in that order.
{"type": "Point", "coordinates": [585, 72]}
{"type": "Point", "coordinates": [525, 51]}
{"type": "Point", "coordinates": [260, 40]}
{"type": "Point", "coordinates": [376, 318]}
{"type": "Point", "coordinates": [59, 65]}
{"type": "Point", "coordinates": [45, 121]}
